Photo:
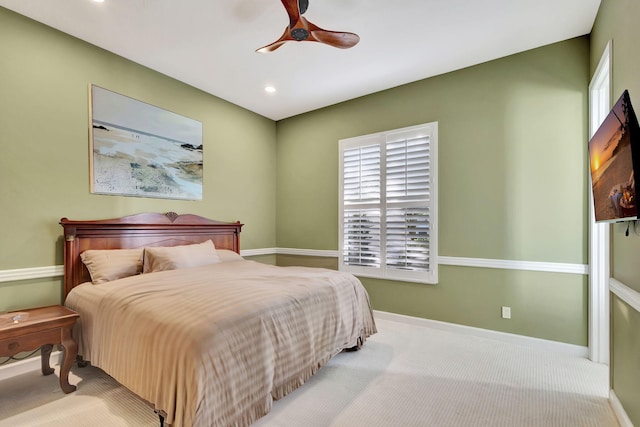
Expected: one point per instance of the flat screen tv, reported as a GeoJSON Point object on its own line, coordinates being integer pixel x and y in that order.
{"type": "Point", "coordinates": [614, 156]}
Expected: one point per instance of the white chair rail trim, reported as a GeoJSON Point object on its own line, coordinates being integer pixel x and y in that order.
{"type": "Point", "coordinates": [550, 267]}
{"type": "Point", "coordinates": [308, 252]}
{"type": "Point", "coordinates": [625, 293]}
{"type": "Point", "coordinates": [31, 273]}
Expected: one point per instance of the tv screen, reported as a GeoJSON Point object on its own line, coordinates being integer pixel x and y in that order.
{"type": "Point", "coordinates": [614, 155]}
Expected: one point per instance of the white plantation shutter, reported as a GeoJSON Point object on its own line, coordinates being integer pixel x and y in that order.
{"type": "Point", "coordinates": [362, 234]}
{"type": "Point", "coordinates": [362, 174]}
{"type": "Point", "coordinates": [361, 190]}
{"type": "Point", "coordinates": [407, 194]}
{"type": "Point", "coordinates": [408, 239]}
{"type": "Point", "coordinates": [388, 204]}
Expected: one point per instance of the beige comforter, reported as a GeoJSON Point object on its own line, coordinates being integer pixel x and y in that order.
{"type": "Point", "coordinates": [214, 345]}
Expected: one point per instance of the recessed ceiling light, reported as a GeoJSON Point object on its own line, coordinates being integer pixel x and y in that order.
{"type": "Point", "coordinates": [269, 89]}
{"type": "Point", "coordinates": [99, 1]}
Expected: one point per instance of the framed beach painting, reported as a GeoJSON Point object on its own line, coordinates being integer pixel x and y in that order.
{"type": "Point", "coordinates": [137, 149]}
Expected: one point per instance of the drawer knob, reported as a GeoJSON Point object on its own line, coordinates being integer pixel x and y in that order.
{"type": "Point", "coordinates": [13, 345]}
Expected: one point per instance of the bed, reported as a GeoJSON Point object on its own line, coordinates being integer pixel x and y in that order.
{"type": "Point", "coordinates": [170, 310]}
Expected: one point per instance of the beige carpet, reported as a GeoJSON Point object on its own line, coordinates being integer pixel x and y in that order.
{"type": "Point", "coordinates": [404, 376]}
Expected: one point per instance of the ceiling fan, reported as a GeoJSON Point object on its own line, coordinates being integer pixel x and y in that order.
{"type": "Point", "coordinates": [299, 29]}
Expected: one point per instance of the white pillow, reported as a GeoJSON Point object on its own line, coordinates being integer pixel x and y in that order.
{"type": "Point", "coordinates": [105, 265]}
{"type": "Point", "coordinates": [173, 257]}
{"type": "Point", "coordinates": [227, 255]}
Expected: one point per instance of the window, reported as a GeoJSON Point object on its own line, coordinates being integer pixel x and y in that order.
{"type": "Point", "coordinates": [388, 204]}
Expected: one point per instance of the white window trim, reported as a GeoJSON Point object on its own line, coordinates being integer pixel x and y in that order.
{"type": "Point", "coordinates": [430, 277]}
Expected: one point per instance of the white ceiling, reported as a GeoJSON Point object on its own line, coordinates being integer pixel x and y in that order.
{"type": "Point", "coordinates": [210, 44]}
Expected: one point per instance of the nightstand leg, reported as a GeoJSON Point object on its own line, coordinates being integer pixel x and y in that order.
{"type": "Point", "coordinates": [70, 353]}
{"type": "Point", "coordinates": [45, 350]}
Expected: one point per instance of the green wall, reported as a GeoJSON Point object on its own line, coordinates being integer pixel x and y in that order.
{"type": "Point", "coordinates": [617, 21]}
{"type": "Point", "coordinates": [512, 175]}
{"type": "Point", "coordinates": [625, 357]}
{"type": "Point", "coordinates": [512, 185]}
{"type": "Point", "coordinates": [44, 166]}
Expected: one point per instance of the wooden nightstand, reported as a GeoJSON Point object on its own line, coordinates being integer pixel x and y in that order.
{"type": "Point", "coordinates": [45, 327]}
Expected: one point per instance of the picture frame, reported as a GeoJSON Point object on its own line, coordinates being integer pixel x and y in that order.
{"type": "Point", "coordinates": [140, 150]}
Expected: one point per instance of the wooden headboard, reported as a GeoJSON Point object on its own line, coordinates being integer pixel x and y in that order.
{"type": "Point", "coordinates": [135, 231]}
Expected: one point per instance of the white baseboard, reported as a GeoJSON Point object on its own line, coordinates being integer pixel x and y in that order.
{"type": "Point", "coordinates": [27, 365]}
{"type": "Point", "coordinates": [621, 414]}
{"type": "Point", "coordinates": [548, 345]}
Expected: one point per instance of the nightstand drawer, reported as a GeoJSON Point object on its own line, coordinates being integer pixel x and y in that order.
{"type": "Point", "coordinates": [28, 342]}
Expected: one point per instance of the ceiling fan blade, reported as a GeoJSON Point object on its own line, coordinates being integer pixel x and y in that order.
{"type": "Point", "coordinates": [339, 39]}
{"type": "Point", "coordinates": [270, 47]}
{"type": "Point", "coordinates": [293, 10]}
{"type": "Point", "coordinates": [302, 6]}
{"type": "Point", "coordinates": [286, 36]}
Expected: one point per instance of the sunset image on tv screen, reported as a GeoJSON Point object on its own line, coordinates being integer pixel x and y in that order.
{"type": "Point", "coordinates": [611, 164]}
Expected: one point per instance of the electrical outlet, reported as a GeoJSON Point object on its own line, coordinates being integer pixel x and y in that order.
{"type": "Point", "coordinates": [506, 312]}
